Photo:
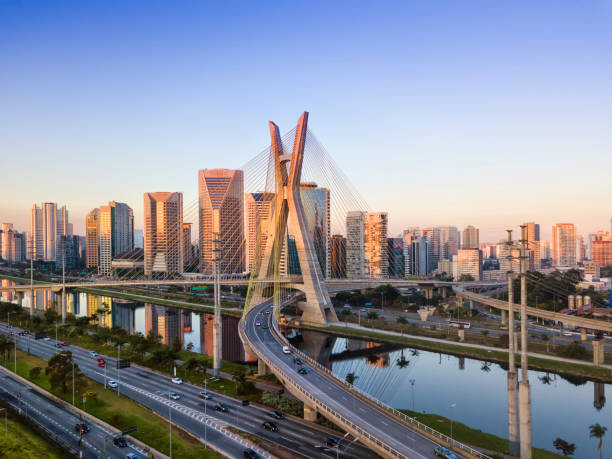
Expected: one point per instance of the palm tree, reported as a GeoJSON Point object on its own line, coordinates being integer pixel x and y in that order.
{"type": "Point", "coordinates": [546, 379]}
{"type": "Point", "coordinates": [598, 431]}
{"type": "Point", "coordinates": [350, 378]}
{"type": "Point", "coordinates": [546, 339]}
{"type": "Point", "coordinates": [402, 362]}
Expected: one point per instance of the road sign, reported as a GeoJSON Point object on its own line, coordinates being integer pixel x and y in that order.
{"type": "Point", "coordinates": [367, 304]}
{"type": "Point", "coordinates": [199, 287]}
{"type": "Point", "coordinates": [130, 430]}
{"type": "Point", "coordinates": [123, 363]}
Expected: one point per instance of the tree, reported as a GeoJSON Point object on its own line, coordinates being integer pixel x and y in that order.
{"type": "Point", "coordinates": [372, 315]}
{"type": "Point", "coordinates": [59, 370]}
{"type": "Point", "coordinates": [402, 362]}
{"type": "Point", "coordinates": [598, 431]}
{"type": "Point", "coordinates": [35, 372]}
{"type": "Point", "coordinates": [350, 378]}
{"type": "Point", "coordinates": [176, 344]}
{"type": "Point", "coordinates": [191, 364]}
{"type": "Point", "coordinates": [566, 448]}
{"type": "Point", "coordinates": [466, 278]}
{"type": "Point", "coordinates": [546, 338]}
{"type": "Point", "coordinates": [243, 385]}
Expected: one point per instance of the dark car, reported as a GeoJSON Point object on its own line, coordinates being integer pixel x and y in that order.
{"type": "Point", "coordinates": [205, 395]}
{"type": "Point", "coordinates": [249, 453]}
{"type": "Point", "coordinates": [298, 361]}
{"type": "Point", "coordinates": [269, 425]}
{"type": "Point", "coordinates": [332, 442]}
{"type": "Point", "coordinates": [302, 371]}
{"type": "Point", "coordinates": [276, 414]}
{"type": "Point", "coordinates": [221, 407]}
{"type": "Point", "coordinates": [82, 427]}
{"type": "Point", "coordinates": [120, 442]}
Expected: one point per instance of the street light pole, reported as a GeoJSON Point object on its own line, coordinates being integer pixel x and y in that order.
{"type": "Point", "coordinates": [452, 405]}
{"type": "Point", "coordinates": [205, 415]}
{"type": "Point", "coordinates": [73, 381]}
{"type": "Point", "coordinates": [118, 374]}
{"type": "Point", "coordinates": [170, 410]}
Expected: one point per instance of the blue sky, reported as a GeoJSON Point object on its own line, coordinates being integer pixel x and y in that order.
{"type": "Point", "coordinates": [484, 113]}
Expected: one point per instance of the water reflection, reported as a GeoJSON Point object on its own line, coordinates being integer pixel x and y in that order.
{"type": "Point", "coordinates": [562, 406]}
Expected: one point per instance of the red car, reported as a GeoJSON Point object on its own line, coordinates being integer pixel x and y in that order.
{"type": "Point", "coordinates": [101, 363]}
{"type": "Point", "coordinates": [64, 343]}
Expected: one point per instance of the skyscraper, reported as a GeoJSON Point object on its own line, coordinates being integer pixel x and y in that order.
{"type": "Point", "coordinates": [355, 245]}
{"type": "Point", "coordinates": [259, 209]}
{"type": "Point", "coordinates": [470, 238]}
{"type": "Point", "coordinates": [46, 224]}
{"type": "Point", "coordinates": [12, 244]}
{"type": "Point", "coordinates": [602, 252]}
{"type": "Point", "coordinates": [163, 223]}
{"type": "Point", "coordinates": [376, 249]}
{"type": "Point", "coordinates": [420, 263]}
{"type": "Point", "coordinates": [533, 244]}
{"type": "Point", "coordinates": [221, 195]}
{"type": "Point", "coordinates": [92, 239]}
{"type": "Point", "coordinates": [564, 245]}
{"type": "Point", "coordinates": [434, 244]}
{"type": "Point", "coordinates": [408, 236]}
{"type": "Point", "coordinates": [469, 263]}
{"type": "Point", "coordinates": [115, 233]}
{"type": "Point", "coordinates": [338, 256]}
{"type": "Point", "coordinates": [449, 242]}
{"type": "Point", "coordinates": [395, 250]}
{"type": "Point", "coordinates": [187, 248]}
{"type": "Point", "coordinates": [316, 204]}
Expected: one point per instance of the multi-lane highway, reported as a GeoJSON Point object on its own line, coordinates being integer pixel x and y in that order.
{"type": "Point", "coordinates": [376, 422]}
{"type": "Point", "coordinates": [60, 421]}
{"type": "Point", "coordinates": [190, 412]}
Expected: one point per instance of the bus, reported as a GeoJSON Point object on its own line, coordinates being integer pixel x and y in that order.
{"type": "Point", "coordinates": [459, 324]}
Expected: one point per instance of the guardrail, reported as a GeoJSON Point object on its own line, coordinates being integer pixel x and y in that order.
{"type": "Point", "coordinates": [409, 420]}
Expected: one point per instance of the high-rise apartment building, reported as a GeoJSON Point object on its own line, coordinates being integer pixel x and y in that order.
{"type": "Point", "coordinates": [375, 238]}
{"type": "Point", "coordinates": [163, 248]}
{"type": "Point", "coordinates": [259, 213]}
{"type": "Point", "coordinates": [509, 258]}
{"type": "Point", "coordinates": [602, 253]}
{"type": "Point", "coordinates": [408, 236]}
{"type": "Point", "coordinates": [469, 263]}
{"type": "Point", "coordinates": [420, 252]}
{"type": "Point", "coordinates": [395, 250]}
{"type": "Point", "coordinates": [580, 249]}
{"type": "Point", "coordinates": [188, 260]}
{"type": "Point", "coordinates": [533, 244]}
{"type": "Point", "coordinates": [12, 244]}
{"type": "Point", "coordinates": [338, 256]}
{"type": "Point", "coordinates": [355, 245]}
{"type": "Point", "coordinates": [316, 205]}
{"type": "Point", "coordinates": [92, 239]}
{"type": "Point", "coordinates": [564, 245]}
{"type": "Point", "coordinates": [449, 242]}
{"type": "Point", "coordinates": [221, 208]}
{"type": "Point", "coordinates": [115, 223]}
{"type": "Point", "coordinates": [434, 244]}
{"type": "Point", "coordinates": [46, 224]}
{"type": "Point", "coordinates": [470, 238]}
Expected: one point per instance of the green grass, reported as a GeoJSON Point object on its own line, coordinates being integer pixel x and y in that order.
{"type": "Point", "coordinates": [24, 441]}
{"type": "Point", "coordinates": [122, 413]}
{"type": "Point", "coordinates": [473, 437]}
{"type": "Point", "coordinates": [598, 373]}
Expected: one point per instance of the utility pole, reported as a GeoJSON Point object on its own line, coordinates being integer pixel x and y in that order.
{"type": "Point", "coordinates": [217, 295]}
{"type": "Point", "coordinates": [524, 397]}
{"type": "Point", "coordinates": [513, 420]}
{"type": "Point", "coordinates": [32, 299]}
{"type": "Point", "coordinates": [63, 280]}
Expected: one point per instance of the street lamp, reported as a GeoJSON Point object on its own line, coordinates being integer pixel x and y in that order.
{"type": "Point", "coordinates": [451, 406]}
{"type": "Point", "coordinates": [170, 411]}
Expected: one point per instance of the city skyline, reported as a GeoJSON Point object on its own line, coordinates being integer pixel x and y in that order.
{"type": "Point", "coordinates": [537, 105]}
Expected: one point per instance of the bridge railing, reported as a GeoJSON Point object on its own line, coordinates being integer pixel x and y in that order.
{"type": "Point", "coordinates": [384, 406]}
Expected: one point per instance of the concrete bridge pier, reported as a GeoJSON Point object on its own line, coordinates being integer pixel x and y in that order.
{"type": "Point", "coordinates": [471, 305]}
{"type": "Point", "coordinates": [461, 333]}
{"type": "Point", "coordinates": [19, 298]}
{"type": "Point", "coordinates": [310, 414]}
{"type": "Point", "coordinates": [262, 368]}
{"type": "Point", "coordinates": [428, 293]}
{"type": "Point", "coordinates": [583, 334]}
{"type": "Point", "coordinates": [443, 292]}
{"type": "Point", "coordinates": [598, 352]}
{"type": "Point", "coordinates": [504, 317]}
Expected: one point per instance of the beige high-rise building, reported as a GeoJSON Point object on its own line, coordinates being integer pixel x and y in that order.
{"type": "Point", "coordinates": [92, 238]}
{"type": "Point", "coordinates": [259, 209]}
{"type": "Point", "coordinates": [375, 242]}
{"type": "Point", "coordinates": [188, 261]}
{"type": "Point", "coordinates": [470, 238]}
{"type": "Point", "coordinates": [533, 244]}
{"type": "Point", "coordinates": [506, 264]}
{"type": "Point", "coordinates": [221, 213]}
{"type": "Point", "coordinates": [163, 225]}
{"type": "Point", "coordinates": [46, 224]}
{"type": "Point", "coordinates": [564, 245]}
{"type": "Point", "coordinates": [469, 263]}
{"type": "Point", "coordinates": [580, 250]}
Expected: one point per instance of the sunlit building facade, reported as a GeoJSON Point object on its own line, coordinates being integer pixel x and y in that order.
{"type": "Point", "coordinates": [163, 248]}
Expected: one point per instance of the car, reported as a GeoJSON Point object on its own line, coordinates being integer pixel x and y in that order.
{"type": "Point", "coordinates": [174, 396]}
{"type": "Point", "coordinates": [267, 312]}
{"type": "Point", "coordinates": [251, 454]}
{"type": "Point", "coordinates": [332, 442]}
{"type": "Point", "coordinates": [58, 345]}
{"type": "Point", "coordinates": [205, 395]}
{"type": "Point", "coordinates": [568, 333]}
{"type": "Point", "coordinates": [64, 343]}
{"type": "Point", "coordinates": [93, 354]}
{"type": "Point", "coordinates": [286, 350]}
{"type": "Point", "coordinates": [221, 407]}
{"type": "Point", "coordinates": [257, 324]}
{"type": "Point", "coordinates": [101, 363]}
{"type": "Point", "coordinates": [276, 414]}
{"type": "Point", "coordinates": [120, 442]}
{"type": "Point", "coordinates": [46, 338]}
{"type": "Point", "coordinates": [269, 425]}
{"type": "Point", "coordinates": [177, 381]}
{"type": "Point", "coordinates": [441, 451]}
{"type": "Point", "coordinates": [132, 456]}
{"type": "Point", "coordinates": [22, 333]}
{"type": "Point", "coordinates": [298, 361]}
{"type": "Point", "coordinates": [113, 384]}
{"type": "Point", "coordinates": [82, 427]}
{"type": "Point", "coordinates": [302, 371]}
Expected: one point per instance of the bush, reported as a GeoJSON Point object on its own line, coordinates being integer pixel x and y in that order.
{"type": "Point", "coordinates": [35, 372]}
{"type": "Point", "coordinates": [287, 405]}
{"type": "Point", "coordinates": [572, 351]}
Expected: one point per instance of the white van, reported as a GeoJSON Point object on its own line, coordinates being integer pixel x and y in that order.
{"type": "Point", "coordinates": [286, 350]}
